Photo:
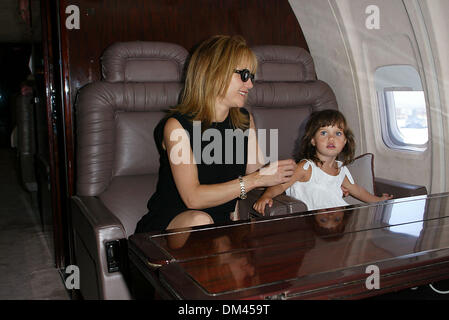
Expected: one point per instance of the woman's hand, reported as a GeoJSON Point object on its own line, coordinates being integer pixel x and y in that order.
{"type": "Point", "coordinates": [385, 196]}
{"type": "Point", "coordinates": [275, 173]}
{"type": "Point", "coordinates": [260, 204]}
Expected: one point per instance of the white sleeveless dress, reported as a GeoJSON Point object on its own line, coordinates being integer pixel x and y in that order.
{"type": "Point", "coordinates": [322, 190]}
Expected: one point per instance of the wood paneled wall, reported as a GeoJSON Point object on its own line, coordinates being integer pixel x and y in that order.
{"type": "Point", "coordinates": [185, 22]}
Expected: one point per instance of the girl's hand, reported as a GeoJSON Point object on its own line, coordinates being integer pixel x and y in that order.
{"type": "Point", "coordinates": [260, 204]}
{"type": "Point", "coordinates": [386, 196]}
{"type": "Point", "coordinates": [345, 191]}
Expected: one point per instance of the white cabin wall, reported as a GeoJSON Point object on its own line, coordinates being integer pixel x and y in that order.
{"type": "Point", "coordinates": [332, 64]}
{"type": "Point", "coordinates": [346, 55]}
{"type": "Point", "coordinates": [437, 24]}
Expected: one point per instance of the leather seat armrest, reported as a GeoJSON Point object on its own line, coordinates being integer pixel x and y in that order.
{"type": "Point", "coordinates": [292, 205]}
{"type": "Point", "coordinates": [94, 226]}
{"type": "Point", "coordinates": [398, 189]}
{"type": "Point", "coordinates": [97, 216]}
{"type": "Point", "coordinates": [282, 204]}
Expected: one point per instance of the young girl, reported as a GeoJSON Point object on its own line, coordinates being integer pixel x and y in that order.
{"type": "Point", "coordinates": [318, 178]}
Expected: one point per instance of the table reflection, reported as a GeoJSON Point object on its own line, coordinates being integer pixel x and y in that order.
{"type": "Point", "coordinates": [414, 211]}
{"type": "Point", "coordinates": [318, 246]}
{"type": "Point", "coordinates": [219, 259]}
{"type": "Point", "coordinates": [328, 222]}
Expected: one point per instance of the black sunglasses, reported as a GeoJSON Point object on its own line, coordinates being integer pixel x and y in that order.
{"type": "Point", "coordinates": [245, 75]}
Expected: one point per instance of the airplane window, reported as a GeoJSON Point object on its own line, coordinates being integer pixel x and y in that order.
{"type": "Point", "coordinates": [410, 118]}
{"type": "Point", "coordinates": [402, 107]}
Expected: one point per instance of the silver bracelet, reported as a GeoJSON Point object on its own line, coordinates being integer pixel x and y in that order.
{"type": "Point", "coordinates": [242, 188]}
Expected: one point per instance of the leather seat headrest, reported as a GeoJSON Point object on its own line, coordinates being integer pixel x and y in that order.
{"type": "Point", "coordinates": [284, 64]}
{"type": "Point", "coordinates": [141, 61]}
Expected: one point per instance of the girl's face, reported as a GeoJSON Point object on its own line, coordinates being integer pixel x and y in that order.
{"type": "Point", "coordinates": [329, 141]}
{"type": "Point", "coordinates": [329, 220]}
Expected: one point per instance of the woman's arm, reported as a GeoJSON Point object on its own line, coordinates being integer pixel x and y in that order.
{"type": "Point", "coordinates": [256, 158]}
{"type": "Point", "coordinates": [185, 173]}
{"type": "Point", "coordinates": [362, 194]}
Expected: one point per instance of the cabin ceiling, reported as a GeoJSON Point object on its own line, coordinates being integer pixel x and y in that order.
{"type": "Point", "coordinates": [13, 28]}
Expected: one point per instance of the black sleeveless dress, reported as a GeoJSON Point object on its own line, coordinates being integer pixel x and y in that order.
{"type": "Point", "coordinates": [166, 203]}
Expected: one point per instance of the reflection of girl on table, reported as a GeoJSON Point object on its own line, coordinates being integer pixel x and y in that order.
{"type": "Point", "coordinates": [318, 178]}
{"type": "Point", "coordinates": [329, 224]}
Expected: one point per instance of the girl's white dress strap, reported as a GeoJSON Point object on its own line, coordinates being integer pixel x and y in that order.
{"type": "Point", "coordinates": [307, 164]}
{"type": "Point", "coordinates": [348, 174]}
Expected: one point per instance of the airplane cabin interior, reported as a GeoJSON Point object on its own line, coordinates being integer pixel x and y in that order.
{"type": "Point", "coordinates": [84, 84]}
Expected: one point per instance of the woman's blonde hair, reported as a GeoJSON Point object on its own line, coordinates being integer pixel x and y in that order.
{"type": "Point", "coordinates": [209, 74]}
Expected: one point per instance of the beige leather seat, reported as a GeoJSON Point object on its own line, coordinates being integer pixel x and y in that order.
{"type": "Point", "coordinates": [26, 140]}
{"type": "Point", "coordinates": [117, 159]}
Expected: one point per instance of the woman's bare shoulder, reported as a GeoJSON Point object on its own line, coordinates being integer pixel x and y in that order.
{"type": "Point", "coordinates": [170, 126]}
{"type": "Point", "coordinates": [172, 123]}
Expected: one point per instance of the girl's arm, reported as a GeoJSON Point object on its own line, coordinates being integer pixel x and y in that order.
{"type": "Point", "coordinates": [185, 173]}
{"type": "Point", "coordinates": [267, 198]}
{"type": "Point", "coordinates": [362, 194]}
{"type": "Point", "coordinates": [271, 192]}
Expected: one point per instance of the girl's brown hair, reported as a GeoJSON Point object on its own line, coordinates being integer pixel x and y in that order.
{"type": "Point", "coordinates": [209, 74]}
{"type": "Point", "coordinates": [320, 119]}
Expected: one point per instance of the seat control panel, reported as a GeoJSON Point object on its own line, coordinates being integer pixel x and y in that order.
{"type": "Point", "coordinates": [113, 255]}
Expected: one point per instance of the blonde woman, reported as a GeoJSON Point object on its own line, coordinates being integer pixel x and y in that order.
{"type": "Point", "coordinates": [201, 174]}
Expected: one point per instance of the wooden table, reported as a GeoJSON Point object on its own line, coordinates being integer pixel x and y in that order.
{"type": "Point", "coordinates": [344, 253]}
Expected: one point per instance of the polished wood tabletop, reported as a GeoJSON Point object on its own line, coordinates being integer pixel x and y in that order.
{"type": "Point", "coordinates": [334, 253]}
